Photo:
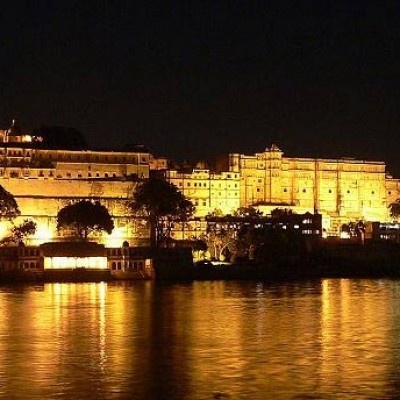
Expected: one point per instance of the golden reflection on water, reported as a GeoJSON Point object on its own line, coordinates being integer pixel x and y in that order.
{"type": "Point", "coordinates": [198, 340]}
{"type": "Point", "coordinates": [355, 329]}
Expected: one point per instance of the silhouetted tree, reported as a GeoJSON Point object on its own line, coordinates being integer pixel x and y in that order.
{"type": "Point", "coordinates": [248, 212]}
{"type": "Point", "coordinates": [8, 206]}
{"type": "Point", "coordinates": [162, 204]}
{"type": "Point", "coordinates": [85, 217]}
{"type": "Point", "coordinates": [20, 232]}
{"type": "Point", "coordinates": [58, 137]}
{"type": "Point", "coordinates": [394, 209]}
{"type": "Point", "coordinates": [281, 212]}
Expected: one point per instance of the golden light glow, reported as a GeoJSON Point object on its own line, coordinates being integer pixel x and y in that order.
{"type": "Point", "coordinates": [344, 235]}
{"type": "Point", "coordinates": [117, 237]}
{"type": "Point", "coordinates": [27, 138]}
{"type": "Point", "coordinates": [3, 229]}
{"type": "Point", "coordinates": [75, 262]}
{"type": "Point", "coordinates": [43, 234]}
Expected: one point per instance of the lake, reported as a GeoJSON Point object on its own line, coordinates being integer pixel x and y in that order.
{"type": "Point", "coordinates": [325, 339]}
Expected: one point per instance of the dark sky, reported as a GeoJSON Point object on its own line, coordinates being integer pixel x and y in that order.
{"type": "Point", "coordinates": [193, 79]}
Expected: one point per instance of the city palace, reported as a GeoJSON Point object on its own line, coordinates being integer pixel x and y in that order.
{"type": "Point", "coordinates": [45, 180]}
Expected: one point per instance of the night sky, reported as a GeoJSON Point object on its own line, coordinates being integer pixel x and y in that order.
{"type": "Point", "coordinates": [193, 79]}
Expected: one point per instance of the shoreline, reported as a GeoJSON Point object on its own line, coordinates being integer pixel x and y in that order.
{"type": "Point", "coordinates": [373, 260]}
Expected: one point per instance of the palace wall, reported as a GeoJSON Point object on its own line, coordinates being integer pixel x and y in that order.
{"type": "Point", "coordinates": [342, 190]}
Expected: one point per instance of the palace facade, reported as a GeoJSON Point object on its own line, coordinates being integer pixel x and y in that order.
{"type": "Point", "coordinates": [43, 181]}
{"type": "Point", "coordinates": [342, 190]}
{"type": "Point", "coordinates": [208, 191]}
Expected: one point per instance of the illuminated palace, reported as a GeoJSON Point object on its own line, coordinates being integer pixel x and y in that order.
{"type": "Point", "coordinates": [43, 181]}
{"type": "Point", "coordinates": [342, 190]}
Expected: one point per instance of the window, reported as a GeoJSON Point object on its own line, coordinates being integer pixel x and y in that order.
{"type": "Point", "coordinates": [285, 190]}
{"type": "Point", "coordinates": [304, 190]}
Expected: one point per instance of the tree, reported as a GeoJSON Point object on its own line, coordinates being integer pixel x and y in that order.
{"type": "Point", "coordinates": [20, 232]}
{"type": "Point", "coordinates": [162, 204]}
{"type": "Point", "coordinates": [248, 212]}
{"type": "Point", "coordinates": [85, 217]}
{"type": "Point", "coordinates": [8, 206]}
{"type": "Point", "coordinates": [58, 137]}
{"type": "Point", "coordinates": [281, 212]}
{"type": "Point", "coordinates": [394, 209]}
{"type": "Point", "coordinates": [9, 210]}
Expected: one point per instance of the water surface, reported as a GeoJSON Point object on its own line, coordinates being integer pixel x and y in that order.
{"type": "Point", "coordinates": [329, 339]}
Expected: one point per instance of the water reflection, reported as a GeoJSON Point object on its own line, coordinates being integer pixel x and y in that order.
{"type": "Point", "coordinates": [239, 340]}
